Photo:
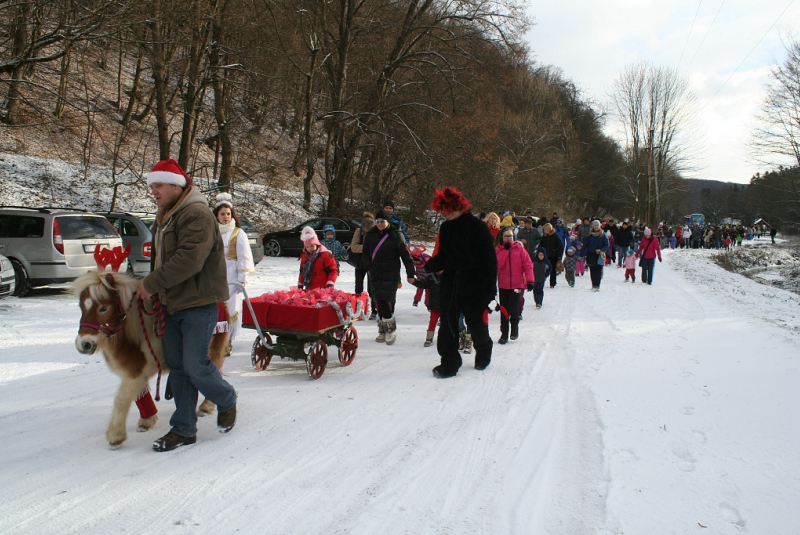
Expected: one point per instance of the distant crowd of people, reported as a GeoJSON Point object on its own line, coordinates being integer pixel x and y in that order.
{"type": "Point", "coordinates": [712, 236]}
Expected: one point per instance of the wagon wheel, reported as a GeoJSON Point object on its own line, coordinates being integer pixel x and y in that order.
{"type": "Point", "coordinates": [317, 359]}
{"type": "Point", "coordinates": [260, 355]}
{"type": "Point", "coordinates": [348, 346]}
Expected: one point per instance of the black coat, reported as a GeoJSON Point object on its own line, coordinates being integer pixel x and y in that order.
{"type": "Point", "coordinates": [430, 283]}
{"type": "Point", "coordinates": [553, 244]}
{"type": "Point", "coordinates": [624, 238]}
{"type": "Point", "coordinates": [467, 259]}
{"type": "Point", "coordinates": [384, 269]}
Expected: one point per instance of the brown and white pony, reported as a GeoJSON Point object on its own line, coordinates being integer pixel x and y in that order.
{"type": "Point", "coordinates": [110, 322]}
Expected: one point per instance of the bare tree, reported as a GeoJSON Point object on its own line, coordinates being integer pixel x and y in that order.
{"type": "Point", "coordinates": [654, 107]}
{"type": "Point", "coordinates": [776, 141]}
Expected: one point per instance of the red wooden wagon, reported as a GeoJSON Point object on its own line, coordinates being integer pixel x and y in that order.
{"type": "Point", "coordinates": [301, 325]}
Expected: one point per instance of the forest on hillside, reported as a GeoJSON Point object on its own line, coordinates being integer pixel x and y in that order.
{"type": "Point", "coordinates": [351, 101]}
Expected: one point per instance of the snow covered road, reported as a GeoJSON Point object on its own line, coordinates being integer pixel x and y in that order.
{"type": "Point", "coordinates": [638, 409]}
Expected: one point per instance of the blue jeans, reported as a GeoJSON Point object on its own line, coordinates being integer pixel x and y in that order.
{"type": "Point", "coordinates": [186, 338]}
{"type": "Point", "coordinates": [622, 253]}
{"type": "Point", "coordinates": [538, 292]}
{"type": "Point", "coordinates": [648, 264]}
{"type": "Point", "coordinates": [461, 326]}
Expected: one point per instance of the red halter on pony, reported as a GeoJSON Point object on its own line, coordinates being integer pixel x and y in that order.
{"type": "Point", "coordinates": [103, 258]}
{"type": "Point", "coordinates": [114, 258]}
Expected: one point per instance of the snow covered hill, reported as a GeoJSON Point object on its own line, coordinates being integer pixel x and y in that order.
{"type": "Point", "coordinates": [639, 410]}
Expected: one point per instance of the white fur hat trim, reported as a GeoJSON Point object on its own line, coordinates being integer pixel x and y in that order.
{"type": "Point", "coordinates": [224, 199]}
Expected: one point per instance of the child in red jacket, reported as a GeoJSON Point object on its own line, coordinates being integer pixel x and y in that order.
{"type": "Point", "coordinates": [318, 267]}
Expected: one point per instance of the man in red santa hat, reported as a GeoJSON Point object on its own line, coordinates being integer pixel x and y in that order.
{"type": "Point", "coordinates": [189, 276]}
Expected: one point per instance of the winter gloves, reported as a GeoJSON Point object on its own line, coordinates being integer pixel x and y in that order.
{"type": "Point", "coordinates": [530, 286]}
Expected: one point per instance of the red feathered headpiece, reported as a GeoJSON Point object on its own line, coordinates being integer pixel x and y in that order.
{"type": "Point", "coordinates": [449, 199]}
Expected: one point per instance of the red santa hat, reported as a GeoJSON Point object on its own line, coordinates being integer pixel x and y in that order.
{"type": "Point", "coordinates": [168, 172]}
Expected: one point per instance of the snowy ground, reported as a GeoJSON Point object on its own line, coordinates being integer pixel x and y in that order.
{"type": "Point", "coordinates": [639, 410]}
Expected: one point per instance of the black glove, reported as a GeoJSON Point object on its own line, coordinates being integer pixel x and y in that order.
{"type": "Point", "coordinates": [507, 245]}
{"type": "Point", "coordinates": [530, 286]}
{"type": "Point", "coordinates": [300, 286]}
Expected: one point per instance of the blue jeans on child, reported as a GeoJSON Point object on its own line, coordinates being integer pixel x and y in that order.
{"type": "Point", "coordinates": [186, 338]}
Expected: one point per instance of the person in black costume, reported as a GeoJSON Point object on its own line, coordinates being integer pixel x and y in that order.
{"type": "Point", "coordinates": [468, 267]}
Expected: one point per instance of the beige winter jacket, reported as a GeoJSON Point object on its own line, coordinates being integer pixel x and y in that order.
{"type": "Point", "coordinates": [188, 255]}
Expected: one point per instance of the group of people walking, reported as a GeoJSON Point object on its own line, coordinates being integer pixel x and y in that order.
{"type": "Point", "coordinates": [713, 236]}
{"type": "Point", "coordinates": [201, 258]}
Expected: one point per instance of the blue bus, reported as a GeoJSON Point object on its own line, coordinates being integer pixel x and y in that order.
{"type": "Point", "coordinates": [693, 219]}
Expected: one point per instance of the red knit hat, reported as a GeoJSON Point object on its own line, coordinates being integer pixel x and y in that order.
{"type": "Point", "coordinates": [449, 199]}
{"type": "Point", "coordinates": [168, 172]}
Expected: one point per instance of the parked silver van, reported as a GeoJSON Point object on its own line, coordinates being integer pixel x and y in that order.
{"type": "Point", "coordinates": [52, 245]}
{"type": "Point", "coordinates": [7, 278]}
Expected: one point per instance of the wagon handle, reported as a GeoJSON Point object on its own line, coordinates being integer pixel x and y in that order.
{"type": "Point", "coordinates": [252, 314]}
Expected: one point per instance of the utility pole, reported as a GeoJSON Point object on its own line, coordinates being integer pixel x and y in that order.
{"type": "Point", "coordinates": [650, 171]}
{"type": "Point", "coordinates": [655, 185]}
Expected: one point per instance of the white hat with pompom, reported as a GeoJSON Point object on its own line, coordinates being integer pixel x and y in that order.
{"type": "Point", "coordinates": [309, 236]}
{"type": "Point", "coordinates": [224, 199]}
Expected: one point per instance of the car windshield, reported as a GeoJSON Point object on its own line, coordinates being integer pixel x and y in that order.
{"type": "Point", "coordinates": [246, 224]}
{"type": "Point", "coordinates": [315, 224]}
{"type": "Point", "coordinates": [82, 227]}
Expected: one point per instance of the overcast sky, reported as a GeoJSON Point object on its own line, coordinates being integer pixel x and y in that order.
{"type": "Point", "coordinates": [592, 42]}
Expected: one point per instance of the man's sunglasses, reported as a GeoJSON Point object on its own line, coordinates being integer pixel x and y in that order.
{"type": "Point", "coordinates": [379, 221]}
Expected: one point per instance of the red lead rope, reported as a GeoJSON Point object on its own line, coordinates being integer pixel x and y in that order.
{"type": "Point", "coordinates": [158, 330]}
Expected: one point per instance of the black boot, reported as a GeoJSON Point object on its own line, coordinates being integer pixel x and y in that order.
{"type": "Point", "coordinates": [514, 332]}
{"type": "Point", "coordinates": [441, 373]}
{"type": "Point", "coordinates": [170, 441]}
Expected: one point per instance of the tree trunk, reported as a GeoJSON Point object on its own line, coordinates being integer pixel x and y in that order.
{"type": "Point", "coordinates": [126, 117]}
{"type": "Point", "coordinates": [218, 83]}
{"type": "Point", "coordinates": [160, 77]}
{"type": "Point", "coordinates": [62, 82]}
{"type": "Point", "coordinates": [18, 46]}
{"type": "Point", "coordinates": [308, 134]}
{"type": "Point", "coordinates": [193, 88]}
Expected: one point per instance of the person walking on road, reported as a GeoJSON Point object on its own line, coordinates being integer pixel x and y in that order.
{"type": "Point", "coordinates": [468, 264]}
{"type": "Point", "coordinates": [189, 276]}
{"type": "Point", "coordinates": [649, 249]}
{"type": "Point", "coordinates": [596, 246]}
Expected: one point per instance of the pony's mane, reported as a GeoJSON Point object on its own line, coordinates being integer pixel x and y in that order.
{"type": "Point", "coordinates": [100, 289]}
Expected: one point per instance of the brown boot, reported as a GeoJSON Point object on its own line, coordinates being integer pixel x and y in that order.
{"type": "Point", "coordinates": [226, 419]}
{"type": "Point", "coordinates": [468, 344]}
{"type": "Point", "coordinates": [429, 338]}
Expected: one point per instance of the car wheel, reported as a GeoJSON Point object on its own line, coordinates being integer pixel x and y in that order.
{"type": "Point", "coordinates": [272, 248]}
{"type": "Point", "coordinates": [21, 279]}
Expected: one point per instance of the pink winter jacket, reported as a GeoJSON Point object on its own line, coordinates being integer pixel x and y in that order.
{"type": "Point", "coordinates": [630, 262]}
{"type": "Point", "coordinates": [514, 267]}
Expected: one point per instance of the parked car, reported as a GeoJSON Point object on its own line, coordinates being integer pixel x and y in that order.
{"type": "Point", "coordinates": [134, 229]}
{"type": "Point", "coordinates": [52, 245]}
{"type": "Point", "coordinates": [254, 237]}
{"type": "Point", "coordinates": [7, 282]}
{"type": "Point", "coordinates": [287, 242]}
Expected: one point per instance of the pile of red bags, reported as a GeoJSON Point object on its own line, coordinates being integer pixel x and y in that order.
{"type": "Point", "coordinates": [311, 298]}
{"type": "Point", "coordinates": [309, 310]}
